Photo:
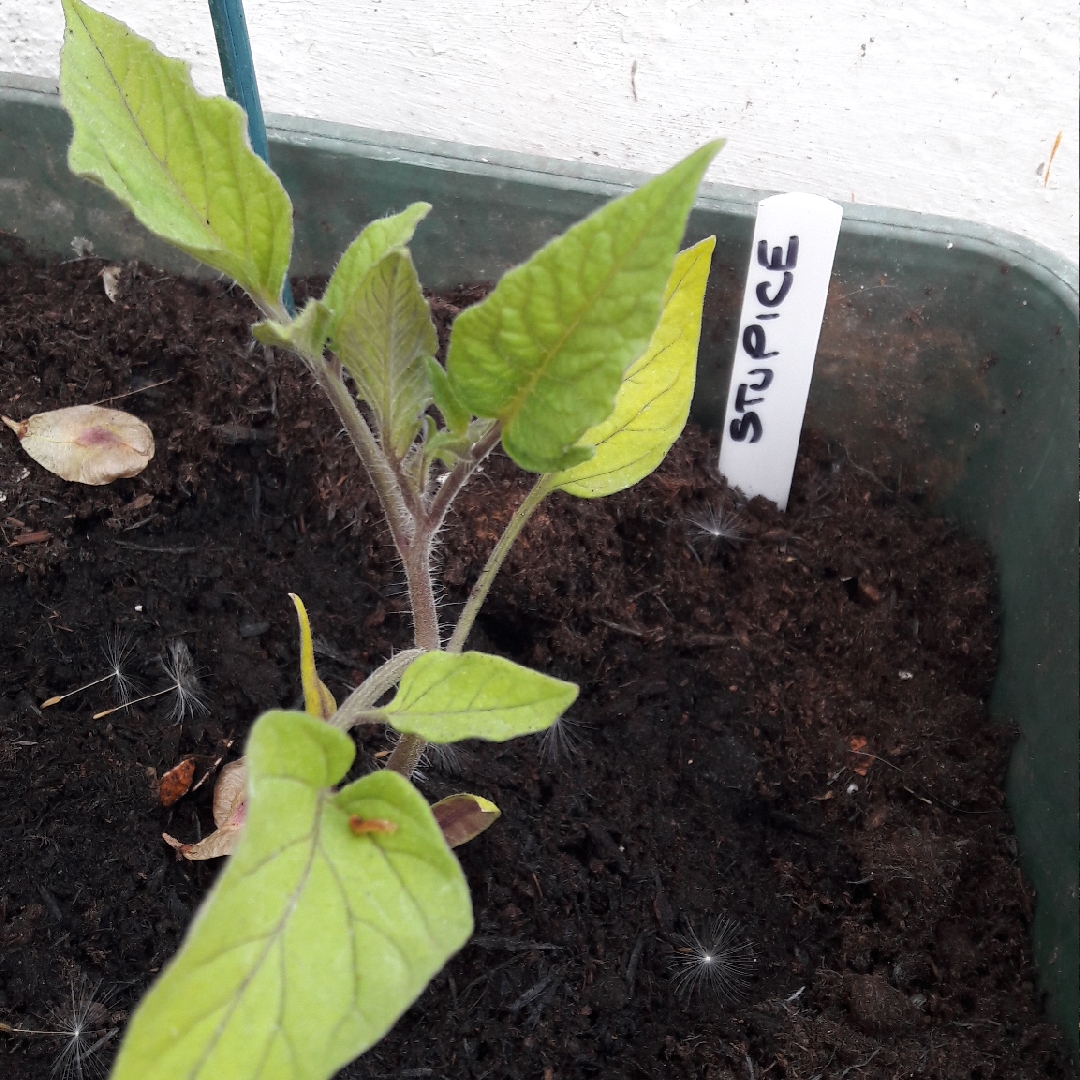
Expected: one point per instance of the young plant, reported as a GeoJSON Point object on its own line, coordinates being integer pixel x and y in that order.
{"type": "Point", "coordinates": [339, 904]}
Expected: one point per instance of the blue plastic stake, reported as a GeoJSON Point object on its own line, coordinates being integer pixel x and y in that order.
{"type": "Point", "coordinates": [238, 72]}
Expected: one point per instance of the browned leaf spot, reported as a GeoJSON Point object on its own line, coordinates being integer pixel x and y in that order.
{"type": "Point", "coordinates": [361, 825]}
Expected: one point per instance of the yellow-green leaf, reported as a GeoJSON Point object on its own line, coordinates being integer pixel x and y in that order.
{"type": "Point", "coordinates": [323, 928]}
{"type": "Point", "coordinates": [306, 334]}
{"type": "Point", "coordinates": [318, 701]}
{"type": "Point", "coordinates": [545, 353]}
{"type": "Point", "coordinates": [181, 162]}
{"type": "Point", "coordinates": [377, 238]}
{"type": "Point", "coordinates": [653, 401]}
{"type": "Point", "coordinates": [446, 697]}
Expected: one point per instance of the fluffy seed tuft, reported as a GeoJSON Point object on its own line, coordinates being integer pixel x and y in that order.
{"type": "Point", "coordinates": [117, 649]}
{"type": "Point", "coordinates": [189, 698]}
{"type": "Point", "coordinates": [713, 527]}
{"type": "Point", "coordinates": [561, 742]}
{"type": "Point", "coordinates": [721, 961]}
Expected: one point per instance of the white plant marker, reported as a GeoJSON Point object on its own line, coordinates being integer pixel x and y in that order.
{"type": "Point", "coordinates": [790, 265]}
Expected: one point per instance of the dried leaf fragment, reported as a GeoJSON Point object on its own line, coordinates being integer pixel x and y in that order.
{"type": "Point", "coordinates": [857, 744]}
{"type": "Point", "coordinates": [110, 278]}
{"type": "Point", "coordinates": [86, 444]}
{"type": "Point", "coordinates": [230, 809]}
{"type": "Point", "coordinates": [176, 782]}
{"type": "Point", "coordinates": [230, 793]}
{"type": "Point", "coordinates": [464, 817]}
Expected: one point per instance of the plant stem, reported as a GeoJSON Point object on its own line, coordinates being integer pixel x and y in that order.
{"type": "Point", "coordinates": [459, 475]}
{"type": "Point", "coordinates": [371, 689]}
{"type": "Point", "coordinates": [426, 633]}
{"type": "Point", "coordinates": [495, 560]}
{"type": "Point", "coordinates": [402, 526]}
{"type": "Point", "coordinates": [406, 755]}
{"type": "Point", "coordinates": [410, 748]}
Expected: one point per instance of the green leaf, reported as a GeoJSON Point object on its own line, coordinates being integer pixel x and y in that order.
{"type": "Point", "coordinates": [653, 402]}
{"type": "Point", "coordinates": [306, 334]}
{"type": "Point", "coordinates": [384, 339]}
{"type": "Point", "coordinates": [325, 925]}
{"type": "Point", "coordinates": [546, 351]}
{"type": "Point", "coordinates": [449, 448]}
{"type": "Point", "coordinates": [455, 414]}
{"type": "Point", "coordinates": [181, 162]}
{"type": "Point", "coordinates": [377, 238]}
{"type": "Point", "coordinates": [445, 697]}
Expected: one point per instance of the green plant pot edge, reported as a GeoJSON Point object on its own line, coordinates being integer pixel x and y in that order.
{"type": "Point", "coordinates": [981, 414]}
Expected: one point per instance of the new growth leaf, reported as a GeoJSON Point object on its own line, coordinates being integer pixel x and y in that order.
{"type": "Point", "coordinates": [545, 353]}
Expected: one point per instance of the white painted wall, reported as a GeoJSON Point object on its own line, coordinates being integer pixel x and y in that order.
{"type": "Point", "coordinates": [944, 106]}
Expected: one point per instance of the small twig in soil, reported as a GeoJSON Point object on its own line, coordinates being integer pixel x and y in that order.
{"type": "Point", "coordinates": [656, 634]}
{"type": "Point", "coordinates": [156, 550]}
{"type": "Point", "coordinates": [948, 806]}
{"type": "Point", "coordinates": [635, 959]}
{"type": "Point", "coordinates": [535, 991]}
{"type": "Point", "coordinates": [511, 944]}
{"type": "Point", "coordinates": [120, 397]}
{"type": "Point", "coordinates": [861, 1065]}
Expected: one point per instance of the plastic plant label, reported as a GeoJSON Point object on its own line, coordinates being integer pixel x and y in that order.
{"type": "Point", "coordinates": [790, 265]}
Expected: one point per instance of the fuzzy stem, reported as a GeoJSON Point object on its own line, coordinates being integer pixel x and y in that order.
{"type": "Point", "coordinates": [410, 748]}
{"type": "Point", "coordinates": [406, 755]}
{"type": "Point", "coordinates": [460, 473]}
{"type": "Point", "coordinates": [384, 678]}
{"type": "Point", "coordinates": [402, 526]}
{"type": "Point", "coordinates": [426, 633]}
{"type": "Point", "coordinates": [495, 560]}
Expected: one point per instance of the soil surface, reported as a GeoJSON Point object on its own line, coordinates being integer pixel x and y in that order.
{"type": "Point", "coordinates": [781, 739]}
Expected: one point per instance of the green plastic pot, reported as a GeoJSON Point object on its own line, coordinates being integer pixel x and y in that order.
{"type": "Point", "coordinates": [949, 351]}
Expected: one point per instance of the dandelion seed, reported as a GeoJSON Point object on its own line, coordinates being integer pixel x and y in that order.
{"type": "Point", "coordinates": [82, 1029]}
{"type": "Point", "coordinates": [562, 741]}
{"type": "Point", "coordinates": [713, 527]}
{"type": "Point", "coordinates": [179, 668]}
{"type": "Point", "coordinates": [720, 961]}
{"type": "Point", "coordinates": [118, 647]}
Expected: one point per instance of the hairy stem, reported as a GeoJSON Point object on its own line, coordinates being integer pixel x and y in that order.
{"type": "Point", "coordinates": [426, 633]}
{"type": "Point", "coordinates": [382, 679]}
{"type": "Point", "coordinates": [410, 748]}
{"type": "Point", "coordinates": [402, 526]}
{"type": "Point", "coordinates": [459, 475]}
{"type": "Point", "coordinates": [495, 560]}
{"type": "Point", "coordinates": [406, 755]}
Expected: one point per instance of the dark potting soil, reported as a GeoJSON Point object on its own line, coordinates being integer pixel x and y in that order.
{"type": "Point", "coordinates": [781, 724]}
